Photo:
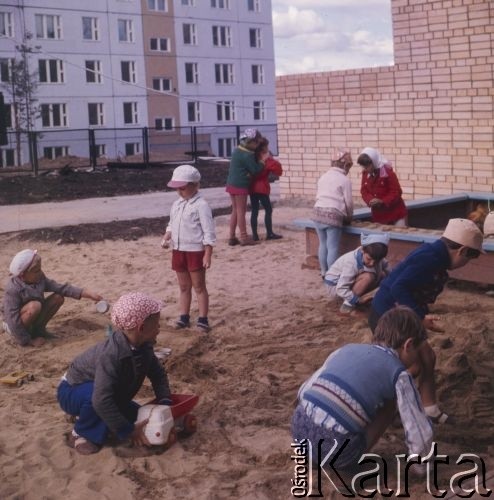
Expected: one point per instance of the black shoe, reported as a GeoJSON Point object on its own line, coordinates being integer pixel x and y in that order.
{"type": "Point", "coordinates": [274, 236]}
{"type": "Point", "coordinates": [233, 241]}
{"type": "Point", "coordinates": [255, 237]}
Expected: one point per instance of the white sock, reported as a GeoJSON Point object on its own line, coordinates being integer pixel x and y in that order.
{"type": "Point", "coordinates": [432, 410]}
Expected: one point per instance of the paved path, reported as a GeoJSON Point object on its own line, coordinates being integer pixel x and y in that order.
{"type": "Point", "coordinates": [69, 213]}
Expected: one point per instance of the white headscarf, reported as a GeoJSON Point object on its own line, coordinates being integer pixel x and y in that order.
{"type": "Point", "coordinates": [377, 159]}
{"type": "Point", "coordinates": [22, 261]}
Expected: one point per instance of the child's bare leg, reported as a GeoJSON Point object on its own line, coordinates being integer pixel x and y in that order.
{"type": "Point", "coordinates": [427, 360]}
{"type": "Point", "coordinates": [233, 217]}
{"type": "Point", "coordinates": [185, 298]}
{"type": "Point", "coordinates": [49, 308]}
{"type": "Point", "coordinates": [381, 422]}
{"type": "Point", "coordinates": [364, 283]}
{"type": "Point", "coordinates": [30, 313]}
{"type": "Point", "coordinates": [199, 284]}
{"type": "Point", "coordinates": [241, 211]}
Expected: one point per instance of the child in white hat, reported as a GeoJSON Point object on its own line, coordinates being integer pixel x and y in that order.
{"type": "Point", "coordinates": [358, 272]}
{"type": "Point", "coordinates": [417, 281]}
{"type": "Point", "coordinates": [26, 310]}
{"type": "Point", "coordinates": [191, 234]}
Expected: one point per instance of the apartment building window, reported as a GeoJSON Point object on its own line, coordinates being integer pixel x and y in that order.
{"type": "Point", "coordinates": [125, 30]}
{"type": "Point", "coordinates": [47, 26]}
{"type": "Point", "coordinates": [51, 71]}
{"type": "Point", "coordinates": [254, 5]}
{"type": "Point", "coordinates": [258, 74]}
{"type": "Point", "coordinates": [100, 150]}
{"type": "Point", "coordinates": [224, 73]}
{"type": "Point", "coordinates": [132, 148]}
{"type": "Point", "coordinates": [159, 5]}
{"type": "Point", "coordinates": [162, 84]}
{"type": "Point", "coordinates": [90, 28]}
{"type": "Point", "coordinates": [96, 113]}
{"type": "Point", "coordinates": [220, 4]}
{"type": "Point", "coordinates": [53, 152]}
{"type": "Point", "coordinates": [9, 113]}
{"type": "Point", "coordinates": [93, 72]}
{"type": "Point", "coordinates": [6, 25]}
{"type": "Point", "coordinates": [259, 110]}
{"type": "Point", "coordinates": [130, 113]}
{"type": "Point", "coordinates": [190, 34]}
{"type": "Point", "coordinates": [7, 158]}
{"type": "Point", "coordinates": [255, 38]}
{"type": "Point", "coordinates": [128, 71]}
{"type": "Point", "coordinates": [54, 115]}
{"type": "Point", "coordinates": [164, 123]}
{"type": "Point", "coordinates": [191, 73]}
{"type": "Point", "coordinates": [160, 44]}
{"type": "Point", "coordinates": [5, 69]}
{"type": "Point", "coordinates": [225, 111]}
{"type": "Point", "coordinates": [194, 111]}
{"type": "Point", "coordinates": [226, 146]}
{"type": "Point", "coordinates": [222, 36]}
{"type": "Point", "coordinates": [190, 3]}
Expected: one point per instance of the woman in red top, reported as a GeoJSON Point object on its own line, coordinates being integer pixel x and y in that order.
{"type": "Point", "coordinates": [381, 190]}
{"type": "Point", "coordinates": [260, 189]}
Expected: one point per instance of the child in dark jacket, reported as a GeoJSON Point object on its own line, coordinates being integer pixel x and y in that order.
{"type": "Point", "coordinates": [260, 189]}
{"type": "Point", "coordinates": [101, 382]}
{"type": "Point", "coordinates": [417, 281]}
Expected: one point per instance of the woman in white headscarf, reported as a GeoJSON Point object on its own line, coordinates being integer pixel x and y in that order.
{"type": "Point", "coordinates": [333, 207]}
{"type": "Point", "coordinates": [380, 189]}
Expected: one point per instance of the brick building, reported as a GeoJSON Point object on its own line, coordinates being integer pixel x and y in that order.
{"type": "Point", "coordinates": [431, 113]}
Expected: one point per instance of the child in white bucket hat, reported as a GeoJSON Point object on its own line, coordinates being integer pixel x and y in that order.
{"type": "Point", "coordinates": [191, 234]}
{"type": "Point", "coordinates": [417, 281]}
{"type": "Point", "coordinates": [358, 272]}
{"type": "Point", "coordinates": [26, 310]}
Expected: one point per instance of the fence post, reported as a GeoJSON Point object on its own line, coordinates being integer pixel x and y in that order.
{"type": "Point", "coordinates": [92, 148]}
{"type": "Point", "coordinates": [145, 146]}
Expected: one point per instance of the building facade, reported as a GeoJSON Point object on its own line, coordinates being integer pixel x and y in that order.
{"type": "Point", "coordinates": [112, 67]}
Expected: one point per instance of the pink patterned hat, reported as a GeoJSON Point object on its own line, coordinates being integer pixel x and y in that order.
{"type": "Point", "coordinates": [131, 310]}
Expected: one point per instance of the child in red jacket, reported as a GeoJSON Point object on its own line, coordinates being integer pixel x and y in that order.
{"type": "Point", "coordinates": [260, 189]}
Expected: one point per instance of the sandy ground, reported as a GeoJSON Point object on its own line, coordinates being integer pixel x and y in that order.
{"type": "Point", "coordinates": [272, 327]}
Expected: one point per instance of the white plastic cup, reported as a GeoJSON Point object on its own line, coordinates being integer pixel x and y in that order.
{"type": "Point", "coordinates": [102, 306]}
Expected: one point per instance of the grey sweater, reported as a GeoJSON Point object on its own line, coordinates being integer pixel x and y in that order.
{"type": "Point", "coordinates": [118, 371]}
{"type": "Point", "coordinates": [18, 293]}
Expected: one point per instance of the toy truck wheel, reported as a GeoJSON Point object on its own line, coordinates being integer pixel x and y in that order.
{"type": "Point", "coordinates": [30, 377]}
{"type": "Point", "coordinates": [172, 438]}
{"type": "Point", "coordinates": [189, 425]}
{"type": "Point", "coordinates": [19, 382]}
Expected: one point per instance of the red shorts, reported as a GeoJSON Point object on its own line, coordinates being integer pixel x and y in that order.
{"type": "Point", "coordinates": [187, 261]}
{"type": "Point", "coordinates": [236, 191]}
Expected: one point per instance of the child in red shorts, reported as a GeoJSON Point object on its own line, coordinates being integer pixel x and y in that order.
{"type": "Point", "coordinates": [191, 233]}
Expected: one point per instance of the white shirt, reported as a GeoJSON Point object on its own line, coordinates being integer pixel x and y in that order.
{"type": "Point", "coordinates": [191, 224]}
{"type": "Point", "coordinates": [334, 190]}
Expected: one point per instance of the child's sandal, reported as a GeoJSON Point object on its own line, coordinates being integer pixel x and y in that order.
{"type": "Point", "coordinates": [180, 324]}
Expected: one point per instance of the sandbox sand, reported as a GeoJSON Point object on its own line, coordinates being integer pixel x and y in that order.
{"type": "Point", "coordinates": [272, 327]}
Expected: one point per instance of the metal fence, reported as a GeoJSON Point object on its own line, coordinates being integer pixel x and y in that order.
{"type": "Point", "coordinates": [133, 146]}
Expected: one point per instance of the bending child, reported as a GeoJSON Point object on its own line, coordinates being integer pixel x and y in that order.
{"type": "Point", "coordinates": [191, 233]}
{"type": "Point", "coordinates": [260, 189]}
{"type": "Point", "coordinates": [26, 310]}
{"type": "Point", "coordinates": [358, 272]}
{"type": "Point", "coordinates": [100, 383]}
{"type": "Point", "coordinates": [416, 282]}
{"type": "Point", "coordinates": [355, 393]}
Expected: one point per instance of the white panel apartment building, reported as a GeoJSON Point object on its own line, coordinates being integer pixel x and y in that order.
{"type": "Point", "coordinates": [116, 66]}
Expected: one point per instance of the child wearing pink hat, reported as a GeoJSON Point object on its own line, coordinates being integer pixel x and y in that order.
{"type": "Point", "coordinates": [26, 310]}
{"type": "Point", "coordinates": [101, 382]}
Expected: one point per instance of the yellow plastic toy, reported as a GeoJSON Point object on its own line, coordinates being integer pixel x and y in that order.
{"type": "Point", "coordinates": [17, 378]}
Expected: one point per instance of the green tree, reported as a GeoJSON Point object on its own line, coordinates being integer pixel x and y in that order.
{"type": "Point", "coordinates": [21, 89]}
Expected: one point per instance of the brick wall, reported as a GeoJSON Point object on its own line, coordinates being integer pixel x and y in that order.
{"type": "Point", "coordinates": [431, 113]}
